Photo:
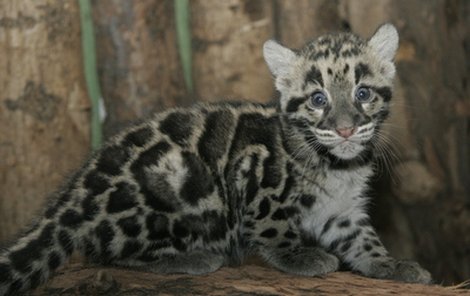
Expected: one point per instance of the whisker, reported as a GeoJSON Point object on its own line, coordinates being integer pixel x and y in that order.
{"type": "Point", "coordinates": [387, 154]}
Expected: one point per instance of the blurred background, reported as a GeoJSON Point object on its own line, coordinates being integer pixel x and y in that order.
{"type": "Point", "coordinates": [153, 54]}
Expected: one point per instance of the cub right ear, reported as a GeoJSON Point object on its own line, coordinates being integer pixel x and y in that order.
{"type": "Point", "coordinates": [277, 57]}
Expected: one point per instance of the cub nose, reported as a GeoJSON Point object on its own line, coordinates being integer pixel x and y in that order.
{"type": "Point", "coordinates": [346, 132]}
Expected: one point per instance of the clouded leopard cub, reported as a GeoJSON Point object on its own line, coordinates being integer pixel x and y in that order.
{"type": "Point", "coordinates": [194, 189]}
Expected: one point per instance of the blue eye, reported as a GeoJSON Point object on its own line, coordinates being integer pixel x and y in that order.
{"type": "Point", "coordinates": [318, 99]}
{"type": "Point", "coordinates": [363, 94]}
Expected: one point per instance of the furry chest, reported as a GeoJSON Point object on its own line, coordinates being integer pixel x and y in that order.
{"type": "Point", "coordinates": [337, 194]}
{"type": "Point", "coordinates": [331, 185]}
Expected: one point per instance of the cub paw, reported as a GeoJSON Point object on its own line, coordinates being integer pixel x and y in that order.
{"type": "Point", "coordinates": [198, 264]}
{"type": "Point", "coordinates": [328, 263]}
{"type": "Point", "coordinates": [399, 270]}
{"type": "Point", "coordinates": [305, 261]}
{"type": "Point", "coordinates": [411, 272]}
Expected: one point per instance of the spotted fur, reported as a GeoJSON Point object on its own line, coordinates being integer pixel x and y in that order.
{"type": "Point", "coordinates": [194, 189]}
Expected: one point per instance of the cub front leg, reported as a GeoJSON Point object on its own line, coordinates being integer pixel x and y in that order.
{"type": "Point", "coordinates": [357, 244]}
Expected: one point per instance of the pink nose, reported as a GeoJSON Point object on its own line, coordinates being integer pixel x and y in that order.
{"type": "Point", "coordinates": [346, 132]}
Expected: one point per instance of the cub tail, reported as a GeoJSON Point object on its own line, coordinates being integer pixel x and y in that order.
{"type": "Point", "coordinates": [30, 259]}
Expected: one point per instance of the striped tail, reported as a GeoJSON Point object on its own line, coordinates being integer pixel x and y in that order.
{"type": "Point", "coordinates": [31, 259]}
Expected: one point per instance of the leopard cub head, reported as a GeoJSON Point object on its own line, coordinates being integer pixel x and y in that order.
{"type": "Point", "coordinates": [335, 91]}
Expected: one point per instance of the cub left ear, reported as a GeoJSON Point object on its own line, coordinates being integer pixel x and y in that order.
{"type": "Point", "coordinates": [277, 57]}
{"type": "Point", "coordinates": [385, 42]}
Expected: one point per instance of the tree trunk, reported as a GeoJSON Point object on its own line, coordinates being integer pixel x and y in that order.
{"type": "Point", "coordinates": [244, 280]}
{"type": "Point", "coordinates": [138, 63]}
{"type": "Point", "coordinates": [43, 104]}
{"type": "Point", "coordinates": [227, 41]}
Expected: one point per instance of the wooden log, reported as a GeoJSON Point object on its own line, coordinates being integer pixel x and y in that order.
{"type": "Point", "coordinates": [244, 280]}
{"type": "Point", "coordinates": [44, 108]}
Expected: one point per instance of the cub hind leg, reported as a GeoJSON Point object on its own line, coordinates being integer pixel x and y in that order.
{"type": "Point", "coordinates": [194, 262]}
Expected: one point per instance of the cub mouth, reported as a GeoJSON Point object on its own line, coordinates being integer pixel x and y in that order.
{"type": "Point", "coordinates": [347, 149]}
{"type": "Point", "coordinates": [341, 147]}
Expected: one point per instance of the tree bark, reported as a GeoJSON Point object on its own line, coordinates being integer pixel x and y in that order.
{"type": "Point", "coordinates": [138, 63]}
{"type": "Point", "coordinates": [245, 280]}
{"type": "Point", "coordinates": [227, 41]}
{"type": "Point", "coordinates": [43, 104]}
{"type": "Point", "coordinates": [299, 21]}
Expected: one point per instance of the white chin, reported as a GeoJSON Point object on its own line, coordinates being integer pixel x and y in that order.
{"type": "Point", "coordinates": [347, 150]}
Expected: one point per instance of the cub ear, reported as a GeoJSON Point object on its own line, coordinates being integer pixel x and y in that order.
{"type": "Point", "coordinates": [277, 57]}
{"type": "Point", "coordinates": [385, 42]}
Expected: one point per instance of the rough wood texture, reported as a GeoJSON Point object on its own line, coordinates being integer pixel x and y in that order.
{"type": "Point", "coordinates": [245, 280]}
{"type": "Point", "coordinates": [227, 49]}
{"type": "Point", "coordinates": [138, 63]}
{"type": "Point", "coordinates": [295, 27]}
{"type": "Point", "coordinates": [43, 105]}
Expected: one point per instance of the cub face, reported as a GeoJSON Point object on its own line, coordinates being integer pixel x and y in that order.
{"type": "Point", "coordinates": [336, 90]}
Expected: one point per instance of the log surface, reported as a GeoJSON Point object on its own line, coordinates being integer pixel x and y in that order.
{"type": "Point", "coordinates": [244, 280]}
